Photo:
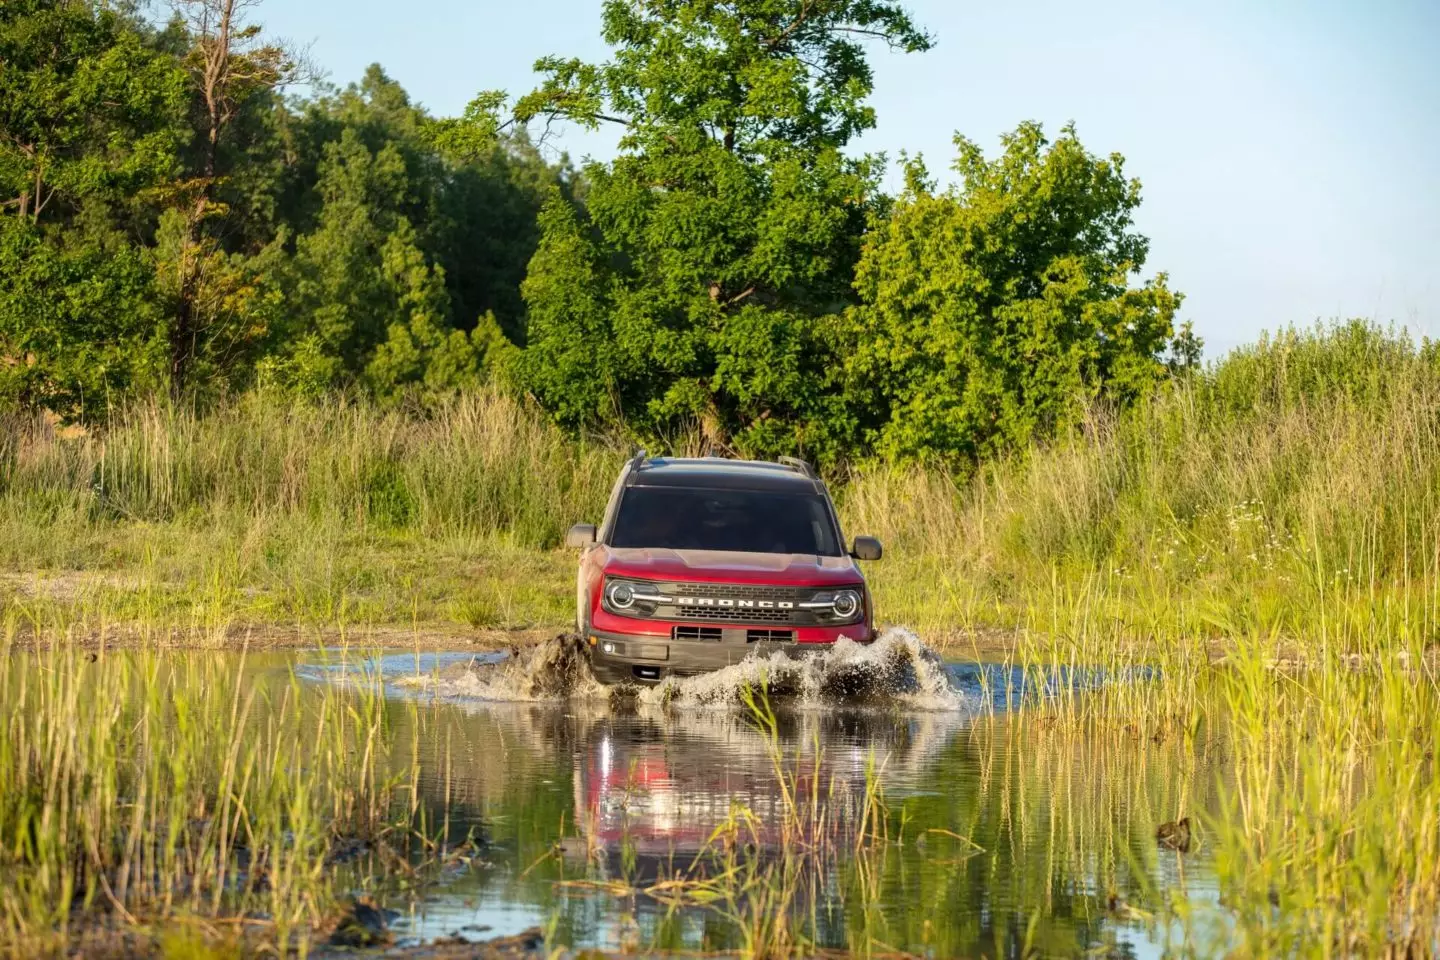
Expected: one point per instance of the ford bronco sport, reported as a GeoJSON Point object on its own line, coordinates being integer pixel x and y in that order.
{"type": "Point", "coordinates": [699, 562]}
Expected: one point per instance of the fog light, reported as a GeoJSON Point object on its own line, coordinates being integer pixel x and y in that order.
{"type": "Point", "coordinates": [608, 647]}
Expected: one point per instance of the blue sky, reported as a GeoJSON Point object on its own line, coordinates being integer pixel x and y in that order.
{"type": "Point", "coordinates": [1289, 150]}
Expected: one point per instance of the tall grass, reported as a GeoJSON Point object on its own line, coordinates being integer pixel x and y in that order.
{"type": "Point", "coordinates": [325, 512]}
{"type": "Point", "coordinates": [1301, 470]}
{"type": "Point", "coordinates": [1329, 841]}
{"type": "Point", "coordinates": [145, 788]}
{"type": "Point", "coordinates": [480, 464]}
{"type": "Point", "coordinates": [1323, 831]}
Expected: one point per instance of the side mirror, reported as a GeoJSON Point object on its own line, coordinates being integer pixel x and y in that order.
{"type": "Point", "coordinates": [580, 535]}
{"type": "Point", "coordinates": [867, 548]}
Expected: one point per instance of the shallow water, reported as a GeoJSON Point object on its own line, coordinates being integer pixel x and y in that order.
{"type": "Point", "coordinates": [1005, 838]}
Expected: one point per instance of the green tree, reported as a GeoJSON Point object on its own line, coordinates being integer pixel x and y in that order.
{"type": "Point", "coordinates": [89, 111]}
{"type": "Point", "coordinates": [993, 310]}
{"type": "Point", "coordinates": [366, 303]}
{"type": "Point", "coordinates": [92, 115]}
{"type": "Point", "coordinates": [410, 243]}
{"type": "Point", "coordinates": [80, 324]}
{"type": "Point", "coordinates": [344, 292]}
{"type": "Point", "coordinates": [692, 288]}
{"type": "Point", "coordinates": [485, 227]}
{"type": "Point", "coordinates": [168, 219]}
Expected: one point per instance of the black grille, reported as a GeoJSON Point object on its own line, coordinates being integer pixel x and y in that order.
{"type": "Point", "coordinates": [731, 614]}
{"type": "Point", "coordinates": [696, 633]}
{"type": "Point", "coordinates": [739, 592]}
{"type": "Point", "coordinates": [769, 636]}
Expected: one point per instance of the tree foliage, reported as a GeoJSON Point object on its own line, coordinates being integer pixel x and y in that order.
{"type": "Point", "coordinates": [691, 290]}
{"type": "Point", "coordinates": [89, 112]}
{"type": "Point", "coordinates": [990, 310]}
{"type": "Point", "coordinates": [173, 220]}
{"type": "Point", "coordinates": [168, 221]}
{"type": "Point", "coordinates": [93, 127]}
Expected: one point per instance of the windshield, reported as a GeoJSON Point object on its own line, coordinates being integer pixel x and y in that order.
{"type": "Point", "coordinates": [753, 521]}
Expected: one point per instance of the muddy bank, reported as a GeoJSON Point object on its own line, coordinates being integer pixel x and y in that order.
{"type": "Point", "coordinates": [249, 636]}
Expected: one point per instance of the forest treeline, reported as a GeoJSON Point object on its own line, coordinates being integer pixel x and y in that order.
{"type": "Point", "coordinates": [176, 221]}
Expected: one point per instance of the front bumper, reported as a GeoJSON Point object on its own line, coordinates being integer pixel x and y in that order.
{"type": "Point", "coordinates": [621, 656]}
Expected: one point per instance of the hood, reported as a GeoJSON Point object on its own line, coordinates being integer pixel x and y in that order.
{"type": "Point", "coordinates": [723, 566]}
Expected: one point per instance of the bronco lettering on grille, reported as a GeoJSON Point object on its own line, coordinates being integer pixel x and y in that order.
{"type": "Point", "coordinates": [738, 604]}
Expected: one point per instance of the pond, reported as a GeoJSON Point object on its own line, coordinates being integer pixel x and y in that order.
{"type": "Point", "coordinates": [974, 828]}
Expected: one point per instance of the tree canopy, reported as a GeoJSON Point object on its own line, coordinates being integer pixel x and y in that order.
{"type": "Point", "coordinates": [174, 219]}
{"type": "Point", "coordinates": [990, 309]}
{"type": "Point", "coordinates": [170, 221]}
{"type": "Point", "coordinates": [691, 290]}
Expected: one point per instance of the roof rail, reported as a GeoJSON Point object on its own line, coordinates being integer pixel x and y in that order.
{"type": "Point", "coordinates": [636, 463]}
{"type": "Point", "coordinates": [795, 463]}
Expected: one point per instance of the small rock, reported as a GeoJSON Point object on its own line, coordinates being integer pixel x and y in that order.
{"type": "Point", "coordinates": [1176, 835]}
{"type": "Point", "coordinates": [522, 945]}
{"type": "Point", "coordinates": [363, 925]}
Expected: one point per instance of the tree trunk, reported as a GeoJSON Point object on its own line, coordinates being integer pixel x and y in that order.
{"type": "Point", "coordinates": [183, 331]}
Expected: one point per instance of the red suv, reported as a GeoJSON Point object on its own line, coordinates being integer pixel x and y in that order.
{"type": "Point", "coordinates": [699, 562]}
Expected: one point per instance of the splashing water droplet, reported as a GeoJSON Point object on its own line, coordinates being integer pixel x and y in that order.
{"type": "Point", "coordinates": [898, 670]}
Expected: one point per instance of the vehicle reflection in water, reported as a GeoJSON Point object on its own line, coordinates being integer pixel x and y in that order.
{"type": "Point", "coordinates": [1005, 838]}
{"type": "Point", "coordinates": [661, 789]}
{"type": "Point", "coordinates": [647, 793]}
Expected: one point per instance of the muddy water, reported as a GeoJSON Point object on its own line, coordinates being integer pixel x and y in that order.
{"type": "Point", "coordinates": [1004, 838]}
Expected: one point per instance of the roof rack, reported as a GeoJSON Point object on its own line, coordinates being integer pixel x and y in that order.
{"type": "Point", "coordinates": [795, 463]}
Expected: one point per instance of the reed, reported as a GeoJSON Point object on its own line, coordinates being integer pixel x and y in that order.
{"type": "Point", "coordinates": [140, 790]}
{"type": "Point", "coordinates": [1308, 771]}
{"type": "Point", "coordinates": [1329, 837]}
{"type": "Point", "coordinates": [1300, 474]}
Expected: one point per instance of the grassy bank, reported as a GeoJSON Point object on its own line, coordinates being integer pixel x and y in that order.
{"type": "Point", "coordinates": [1293, 485]}
{"type": "Point", "coordinates": [320, 514]}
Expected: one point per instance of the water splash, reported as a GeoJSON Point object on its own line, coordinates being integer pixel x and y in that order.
{"type": "Point", "coordinates": [557, 669]}
{"type": "Point", "coordinates": [896, 670]}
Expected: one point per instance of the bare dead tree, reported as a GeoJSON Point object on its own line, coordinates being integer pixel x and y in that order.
{"type": "Point", "coordinates": [230, 61]}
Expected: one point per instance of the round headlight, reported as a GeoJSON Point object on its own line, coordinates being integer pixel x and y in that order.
{"type": "Point", "coordinates": [847, 604]}
{"type": "Point", "coordinates": [622, 595]}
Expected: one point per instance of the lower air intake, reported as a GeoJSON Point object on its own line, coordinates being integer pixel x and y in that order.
{"type": "Point", "coordinates": [696, 633]}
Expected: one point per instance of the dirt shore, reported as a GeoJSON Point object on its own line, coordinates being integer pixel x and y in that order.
{"type": "Point", "coordinates": [427, 637]}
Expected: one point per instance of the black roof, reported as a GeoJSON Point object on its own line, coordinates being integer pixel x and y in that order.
{"type": "Point", "coordinates": [718, 473]}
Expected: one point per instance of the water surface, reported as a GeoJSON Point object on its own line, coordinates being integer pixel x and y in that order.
{"type": "Point", "coordinates": [1005, 836]}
